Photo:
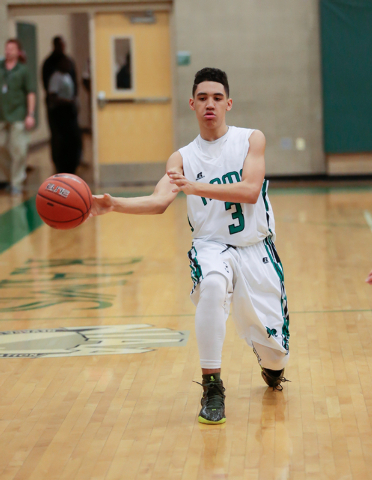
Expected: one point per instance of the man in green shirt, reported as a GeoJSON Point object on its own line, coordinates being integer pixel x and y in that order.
{"type": "Point", "coordinates": [17, 111]}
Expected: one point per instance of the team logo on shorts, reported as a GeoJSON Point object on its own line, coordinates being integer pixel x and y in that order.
{"type": "Point", "coordinates": [271, 332]}
{"type": "Point", "coordinates": [265, 260]}
{"type": "Point", "coordinates": [82, 341]}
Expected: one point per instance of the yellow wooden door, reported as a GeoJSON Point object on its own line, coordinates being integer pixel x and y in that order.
{"type": "Point", "coordinates": [134, 120]}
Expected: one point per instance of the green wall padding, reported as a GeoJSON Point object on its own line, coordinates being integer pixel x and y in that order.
{"type": "Point", "coordinates": [346, 42]}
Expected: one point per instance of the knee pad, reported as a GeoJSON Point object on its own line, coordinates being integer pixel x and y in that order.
{"type": "Point", "coordinates": [213, 289]}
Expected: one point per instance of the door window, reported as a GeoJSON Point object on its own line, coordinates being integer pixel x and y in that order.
{"type": "Point", "coordinates": [123, 64]}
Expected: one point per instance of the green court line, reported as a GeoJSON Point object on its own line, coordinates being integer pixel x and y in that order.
{"type": "Point", "coordinates": [124, 194]}
{"type": "Point", "coordinates": [332, 311]}
{"type": "Point", "coordinates": [271, 191]}
{"type": "Point", "coordinates": [17, 223]}
{"type": "Point", "coordinates": [167, 316]}
{"type": "Point", "coordinates": [323, 224]}
{"type": "Point", "coordinates": [92, 318]}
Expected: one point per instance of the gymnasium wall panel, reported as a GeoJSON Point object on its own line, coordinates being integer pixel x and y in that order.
{"type": "Point", "coordinates": [271, 53]}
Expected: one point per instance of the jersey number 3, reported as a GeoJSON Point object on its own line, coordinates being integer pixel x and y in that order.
{"type": "Point", "coordinates": [238, 215]}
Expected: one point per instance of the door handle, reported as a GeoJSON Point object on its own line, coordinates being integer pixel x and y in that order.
{"type": "Point", "coordinates": [103, 100]}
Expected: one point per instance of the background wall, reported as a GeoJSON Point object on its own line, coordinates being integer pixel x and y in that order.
{"type": "Point", "coordinates": [271, 53]}
{"type": "Point", "coordinates": [79, 49]}
{"type": "Point", "coordinates": [3, 25]}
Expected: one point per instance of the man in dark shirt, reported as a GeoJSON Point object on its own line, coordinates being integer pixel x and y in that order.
{"type": "Point", "coordinates": [17, 111]}
{"type": "Point", "coordinates": [51, 64]}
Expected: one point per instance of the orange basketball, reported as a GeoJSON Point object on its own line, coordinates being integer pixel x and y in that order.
{"type": "Point", "coordinates": [64, 201]}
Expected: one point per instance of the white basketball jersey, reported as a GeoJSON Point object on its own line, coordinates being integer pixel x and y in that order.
{"type": "Point", "coordinates": [238, 224]}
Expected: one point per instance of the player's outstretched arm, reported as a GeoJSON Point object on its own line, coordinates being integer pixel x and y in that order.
{"type": "Point", "coordinates": [246, 191]}
{"type": "Point", "coordinates": [153, 204]}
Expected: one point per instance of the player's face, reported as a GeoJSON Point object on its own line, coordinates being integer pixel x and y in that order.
{"type": "Point", "coordinates": [11, 51]}
{"type": "Point", "coordinates": [210, 104]}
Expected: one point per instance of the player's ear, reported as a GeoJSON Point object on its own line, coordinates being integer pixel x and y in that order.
{"type": "Point", "coordinates": [192, 103]}
{"type": "Point", "coordinates": [229, 104]}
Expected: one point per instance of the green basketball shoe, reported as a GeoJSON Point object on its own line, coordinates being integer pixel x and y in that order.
{"type": "Point", "coordinates": [213, 400]}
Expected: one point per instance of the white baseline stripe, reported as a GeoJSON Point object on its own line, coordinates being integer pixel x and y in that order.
{"type": "Point", "coordinates": [368, 218]}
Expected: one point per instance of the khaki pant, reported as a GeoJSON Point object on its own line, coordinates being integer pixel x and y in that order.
{"type": "Point", "coordinates": [14, 140]}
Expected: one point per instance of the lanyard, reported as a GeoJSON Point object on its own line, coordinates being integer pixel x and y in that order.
{"type": "Point", "coordinates": [7, 74]}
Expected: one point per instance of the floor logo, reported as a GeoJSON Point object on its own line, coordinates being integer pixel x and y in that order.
{"type": "Point", "coordinates": [81, 341]}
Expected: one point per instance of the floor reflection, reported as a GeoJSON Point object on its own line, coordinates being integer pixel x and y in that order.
{"type": "Point", "coordinates": [272, 435]}
{"type": "Point", "coordinates": [213, 461]}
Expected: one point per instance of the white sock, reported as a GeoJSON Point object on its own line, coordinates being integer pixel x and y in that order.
{"type": "Point", "coordinates": [210, 319]}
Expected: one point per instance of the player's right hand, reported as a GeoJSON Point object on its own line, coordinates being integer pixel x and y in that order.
{"type": "Point", "coordinates": [101, 204]}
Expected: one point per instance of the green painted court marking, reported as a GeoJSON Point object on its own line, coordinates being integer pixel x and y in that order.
{"type": "Point", "coordinates": [20, 221]}
{"type": "Point", "coordinates": [165, 316]}
{"type": "Point", "coordinates": [104, 317]}
{"type": "Point", "coordinates": [17, 223]}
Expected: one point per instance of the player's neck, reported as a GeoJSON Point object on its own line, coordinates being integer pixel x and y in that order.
{"type": "Point", "coordinates": [210, 134]}
{"type": "Point", "coordinates": [10, 64]}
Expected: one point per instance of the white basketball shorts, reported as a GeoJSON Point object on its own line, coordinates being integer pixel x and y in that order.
{"type": "Point", "coordinates": [255, 288]}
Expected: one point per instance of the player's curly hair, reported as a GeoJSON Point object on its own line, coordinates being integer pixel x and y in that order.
{"type": "Point", "coordinates": [211, 75]}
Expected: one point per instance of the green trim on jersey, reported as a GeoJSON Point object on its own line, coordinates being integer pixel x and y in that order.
{"type": "Point", "coordinates": [264, 197]}
{"type": "Point", "coordinates": [277, 264]}
{"type": "Point", "coordinates": [196, 271]}
{"type": "Point", "coordinates": [264, 193]}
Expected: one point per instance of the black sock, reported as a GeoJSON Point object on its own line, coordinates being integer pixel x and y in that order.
{"type": "Point", "coordinates": [274, 373]}
{"type": "Point", "coordinates": [212, 377]}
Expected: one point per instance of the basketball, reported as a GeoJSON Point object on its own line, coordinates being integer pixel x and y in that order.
{"type": "Point", "coordinates": [64, 201]}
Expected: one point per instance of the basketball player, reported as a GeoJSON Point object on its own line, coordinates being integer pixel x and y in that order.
{"type": "Point", "coordinates": [233, 257]}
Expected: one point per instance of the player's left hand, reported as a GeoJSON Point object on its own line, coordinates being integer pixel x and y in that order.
{"type": "Point", "coordinates": [101, 204]}
{"type": "Point", "coordinates": [181, 183]}
{"type": "Point", "coordinates": [369, 278]}
{"type": "Point", "coordinates": [29, 122]}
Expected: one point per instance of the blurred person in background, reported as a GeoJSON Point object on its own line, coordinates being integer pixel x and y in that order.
{"type": "Point", "coordinates": [65, 135]}
{"type": "Point", "coordinates": [123, 77]}
{"type": "Point", "coordinates": [50, 66]}
{"type": "Point", "coordinates": [51, 63]}
{"type": "Point", "coordinates": [17, 114]}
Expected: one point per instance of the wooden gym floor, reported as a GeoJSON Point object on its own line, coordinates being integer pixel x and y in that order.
{"type": "Point", "coordinates": [133, 415]}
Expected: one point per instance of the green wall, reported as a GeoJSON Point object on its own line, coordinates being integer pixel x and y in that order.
{"type": "Point", "coordinates": [346, 44]}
